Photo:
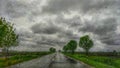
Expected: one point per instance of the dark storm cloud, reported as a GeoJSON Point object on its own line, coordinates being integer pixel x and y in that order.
{"type": "Point", "coordinates": [14, 8]}
{"type": "Point", "coordinates": [58, 6]}
{"type": "Point", "coordinates": [53, 28]}
{"type": "Point", "coordinates": [102, 27]}
{"type": "Point", "coordinates": [68, 34]}
{"type": "Point", "coordinates": [47, 28]}
{"type": "Point", "coordinates": [52, 34]}
{"type": "Point", "coordinates": [113, 39]}
{"type": "Point", "coordinates": [19, 8]}
{"type": "Point", "coordinates": [72, 22]}
{"type": "Point", "coordinates": [64, 20]}
{"type": "Point", "coordinates": [105, 29]}
{"type": "Point", "coordinates": [51, 40]}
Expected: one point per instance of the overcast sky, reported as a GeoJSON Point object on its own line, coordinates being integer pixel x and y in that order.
{"type": "Point", "coordinates": [42, 24]}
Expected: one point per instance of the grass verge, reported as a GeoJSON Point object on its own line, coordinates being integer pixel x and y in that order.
{"type": "Point", "coordinates": [20, 57]}
{"type": "Point", "coordinates": [97, 61]}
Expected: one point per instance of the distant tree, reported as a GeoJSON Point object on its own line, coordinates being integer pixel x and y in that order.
{"type": "Point", "coordinates": [72, 45]}
{"type": "Point", "coordinates": [114, 53]}
{"type": "Point", "coordinates": [8, 37]}
{"type": "Point", "coordinates": [65, 48]}
{"type": "Point", "coordinates": [52, 49]}
{"type": "Point", "coordinates": [86, 43]}
{"type": "Point", "coordinates": [59, 50]}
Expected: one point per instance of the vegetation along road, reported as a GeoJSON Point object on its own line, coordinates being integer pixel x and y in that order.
{"type": "Point", "coordinates": [56, 60]}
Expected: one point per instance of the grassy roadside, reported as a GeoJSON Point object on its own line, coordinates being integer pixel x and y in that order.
{"type": "Point", "coordinates": [20, 57]}
{"type": "Point", "coordinates": [97, 61]}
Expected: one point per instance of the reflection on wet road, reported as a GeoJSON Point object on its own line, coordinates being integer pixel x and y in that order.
{"type": "Point", "coordinates": [60, 61]}
{"type": "Point", "coordinates": [42, 62]}
{"type": "Point", "coordinates": [56, 60]}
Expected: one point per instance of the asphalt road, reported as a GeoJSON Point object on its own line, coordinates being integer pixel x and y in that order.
{"type": "Point", "coordinates": [61, 61]}
{"type": "Point", "coordinates": [56, 60]}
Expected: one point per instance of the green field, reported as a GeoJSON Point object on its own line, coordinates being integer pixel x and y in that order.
{"type": "Point", "coordinates": [97, 61]}
{"type": "Point", "coordinates": [17, 57]}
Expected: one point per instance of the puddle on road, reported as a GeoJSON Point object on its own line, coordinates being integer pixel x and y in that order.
{"type": "Point", "coordinates": [71, 61]}
{"type": "Point", "coordinates": [60, 61]}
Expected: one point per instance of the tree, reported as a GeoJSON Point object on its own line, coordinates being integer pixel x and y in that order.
{"type": "Point", "coordinates": [52, 49]}
{"type": "Point", "coordinates": [86, 43]}
{"type": "Point", "coordinates": [72, 45]}
{"type": "Point", "coordinates": [114, 52]}
{"type": "Point", "coordinates": [65, 48]}
{"type": "Point", "coordinates": [8, 37]}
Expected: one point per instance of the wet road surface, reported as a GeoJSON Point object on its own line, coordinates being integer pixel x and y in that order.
{"type": "Point", "coordinates": [42, 62]}
{"type": "Point", "coordinates": [60, 61]}
{"type": "Point", "coordinates": [56, 60]}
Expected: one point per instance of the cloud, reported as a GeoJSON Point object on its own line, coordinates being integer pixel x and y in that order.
{"type": "Point", "coordinates": [113, 39]}
{"type": "Point", "coordinates": [42, 24]}
{"type": "Point", "coordinates": [105, 29]}
{"type": "Point", "coordinates": [102, 27]}
{"type": "Point", "coordinates": [20, 8]}
{"type": "Point", "coordinates": [47, 28]}
{"type": "Point", "coordinates": [52, 34]}
{"type": "Point", "coordinates": [14, 8]}
{"type": "Point", "coordinates": [58, 6]}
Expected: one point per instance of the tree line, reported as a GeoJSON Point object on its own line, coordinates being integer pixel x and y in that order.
{"type": "Point", "coordinates": [85, 42]}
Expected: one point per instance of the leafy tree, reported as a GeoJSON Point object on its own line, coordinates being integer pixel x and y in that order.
{"type": "Point", "coordinates": [114, 53]}
{"type": "Point", "coordinates": [86, 43]}
{"type": "Point", "coordinates": [52, 49]}
{"type": "Point", "coordinates": [65, 48]}
{"type": "Point", "coordinates": [8, 37]}
{"type": "Point", "coordinates": [72, 45]}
